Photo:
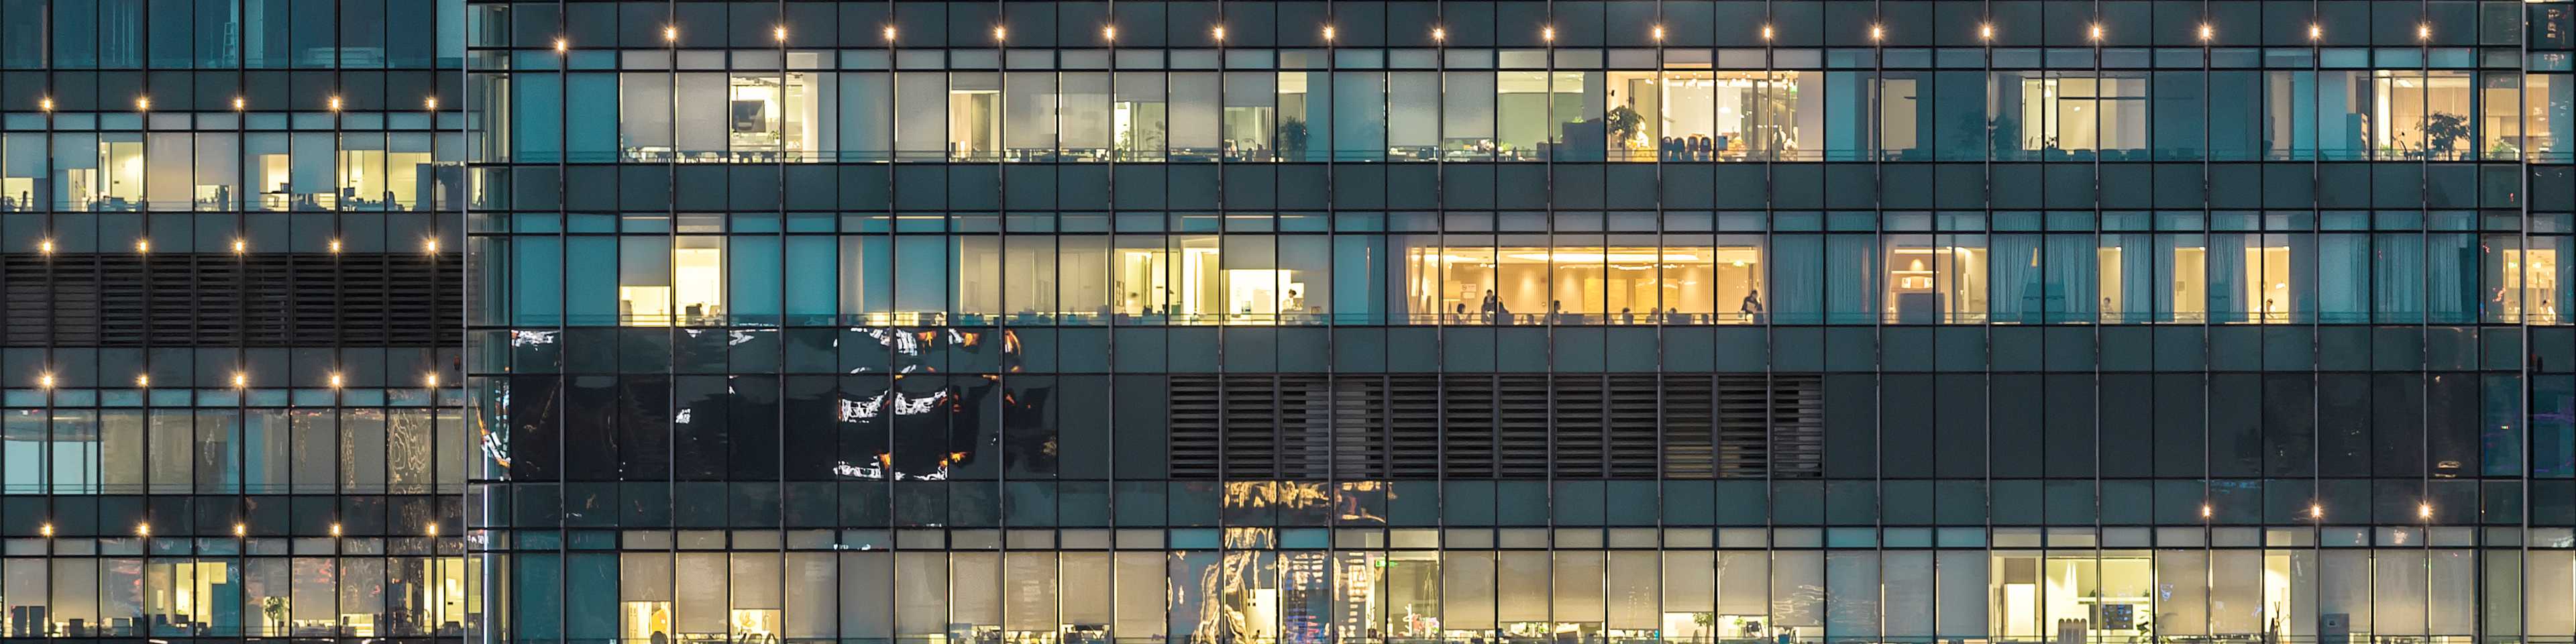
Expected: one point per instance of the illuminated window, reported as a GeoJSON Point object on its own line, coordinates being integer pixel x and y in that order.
{"type": "Point", "coordinates": [772, 116]}
{"type": "Point", "coordinates": [671, 281]}
{"type": "Point", "coordinates": [2107, 113]}
{"type": "Point", "coordinates": [974, 116]}
{"type": "Point", "coordinates": [1935, 279]}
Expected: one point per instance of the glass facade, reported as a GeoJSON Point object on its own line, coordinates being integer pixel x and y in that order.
{"type": "Point", "coordinates": [231, 394]}
{"type": "Point", "coordinates": [1235, 322]}
{"type": "Point", "coordinates": [1288, 322]}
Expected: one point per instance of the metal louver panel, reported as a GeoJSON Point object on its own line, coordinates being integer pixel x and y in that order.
{"type": "Point", "coordinates": [1579, 435]}
{"type": "Point", "coordinates": [1467, 426]}
{"type": "Point", "coordinates": [1194, 412]}
{"type": "Point", "coordinates": [1797, 426]}
{"type": "Point", "coordinates": [1689, 427]}
{"type": "Point", "coordinates": [1305, 416]}
{"type": "Point", "coordinates": [1632, 418]}
{"type": "Point", "coordinates": [1251, 428]}
{"type": "Point", "coordinates": [1360, 435]}
{"type": "Point", "coordinates": [1414, 427]}
{"type": "Point", "coordinates": [1743, 426]}
{"type": "Point", "coordinates": [266, 300]}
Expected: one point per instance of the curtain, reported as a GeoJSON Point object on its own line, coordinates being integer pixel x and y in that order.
{"type": "Point", "coordinates": [2228, 275]}
{"type": "Point", "coordinates": [2399, 272]}
{"type": "Point", "coordinates": [1852, 261]}
{"type": "Point", "coordinates": [1797, 279]}
{"type": "Point", "coordinates": [2072, 292]}
{"type": "Point", "coordinates": [2343, 277]}
{"type": "Point", "coordinates": [2015, 279]}
{"type": "Point", "coordinates": [2451, 278]}
{"type": "Point", "coordinates": [2128, 278]}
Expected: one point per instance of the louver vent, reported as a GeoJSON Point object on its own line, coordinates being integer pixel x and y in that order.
{"type": "Point", "coordinates": [268, 300]}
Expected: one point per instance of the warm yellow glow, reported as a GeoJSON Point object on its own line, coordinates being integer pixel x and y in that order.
{"type": "Point", "coordinates": [429, 380]}
{"type": "Point", "coordinates": [143, 246]}
{"type": "Point", "coordinates": [429, 245]}
{"type": "Point", "coordinates": [336, 380]}
{"type": "Point", "coordinates": [1328, 32]}
{"type": "Point", "coordinates": [240, 530]}
{"type": "Point", "coordinates": [2424, 511]}
{"type": "Point", "coordinates": [240, 246]}
{"type": "Point", "coordinates": [671, 33]}
{"type": "Point", "coordinates": [889, 33]}
{"type": "Point", "coordinates": [335, 103]}
{"type": "Point", "coordinates": [2316, 511]}
{"type": "Point", "coordinates": [2424, 31]}
{"type": "Point", "coordinates": [779, 32]}
{"type": "Point", "coordinates": [430, 103]}
{"type": "Point", "coordinates": [1596, 257]}
{"type": "Point", "coordinates": [45, 246]}
{"type": "Point", "coordinates": [2207, 32]}
{"type": "Point", "coordinates": [1766, 32]}
{"type": "Point", "coordinates": [2204, 510]}
{"type": "Point", "coordinates": [1439, 34]}
{"type": "Point", "coordinates": [143, 529]}
{"type": "Point", "coordinates": [335, 246]}
{"type": "Point", "coordinates": [1547, 34]}
{"type": "Point", "coordinates": [45, 380]}
{"type": "Point", "coordinates": [143, 103]}
{"type": "Point", "coordinates": [1000, 33]}
{"type": "Point", "coordinates": [46, 530]}
{"type": "Point", "coordinates": [1986, 31]}
{"type": "Point", "coordinates": [241, 379]}
{"type": "Point", "coordinates": [143, 380]}
{"type": "Point", "coordinates": [1217, 32]}
{"type": "Point", "coordinates": [1109, 33]}
{"type": "Point", "coordinates": [239, 103]}
{"type": "Point", "coordinates": [1877, 32]}
{"type": "Point", "coordinates": [431, 529]}
{"type": "Point", "coordinates": [2095, 31]}
{"type": "Point", "coordinates": [46, 103]}
{"type": "Point", "coordinates": [335, 529]}
{"type": "Point", "coordinates": [562, 45]}
{"type": "Point", "coordinates": [2316, 31]}
{"type": "Point", "coordinates": [1659, 32]}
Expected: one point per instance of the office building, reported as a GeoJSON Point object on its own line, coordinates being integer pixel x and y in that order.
{"type": "Point", "coordinates": [1238, 322]}
{"type": "Point", "coordinates": [231, 400]}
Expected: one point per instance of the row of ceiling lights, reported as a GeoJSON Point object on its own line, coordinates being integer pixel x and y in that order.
{"type": "Point", "coordinates": [1877, 32]}
{"type": "Point", "coordinates": [1985, 31]}
{"type": "Point", "coordinates": [2315, 511]}
{"type": "Point", "coordinates": [2318, 511]}
{"type": "Point", "coordinates": [144, 103]}
{"type": "Point", "coordinates": [239, 530]}
{"type": "Point", "coordinates": [241, 380]}
{"type": "Point", "coordinates": [240, 246]}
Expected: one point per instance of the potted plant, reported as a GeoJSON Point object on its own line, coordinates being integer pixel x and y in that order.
{"type": "Point", "coordinates": [1292, 140]}
{"type": "Point", "coordinates": [1624, 123]}
{"type": "Point", "coordinates": [2442, 130]}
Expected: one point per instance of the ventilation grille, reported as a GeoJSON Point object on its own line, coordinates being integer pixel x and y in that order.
{"type": "Point", "coordinates": [1467, 427]}
{"type": "Point", "coordinates": [1359, 429]}
{"type": "Point", "coordinates": [1194, 414]}
{"type": "Point", "coordinates": [1580, 434]}
{"type": "Point", "coordinates": [182, 299]}
{"type": "Point", "coordinates": [1413, 427]}
{"type": "Point", "coordinates": [1632, 418]}
{"type": "Point", "coordinates": [1307, 427]}
{"type": "Point", "coordinates": [1689, 427]}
